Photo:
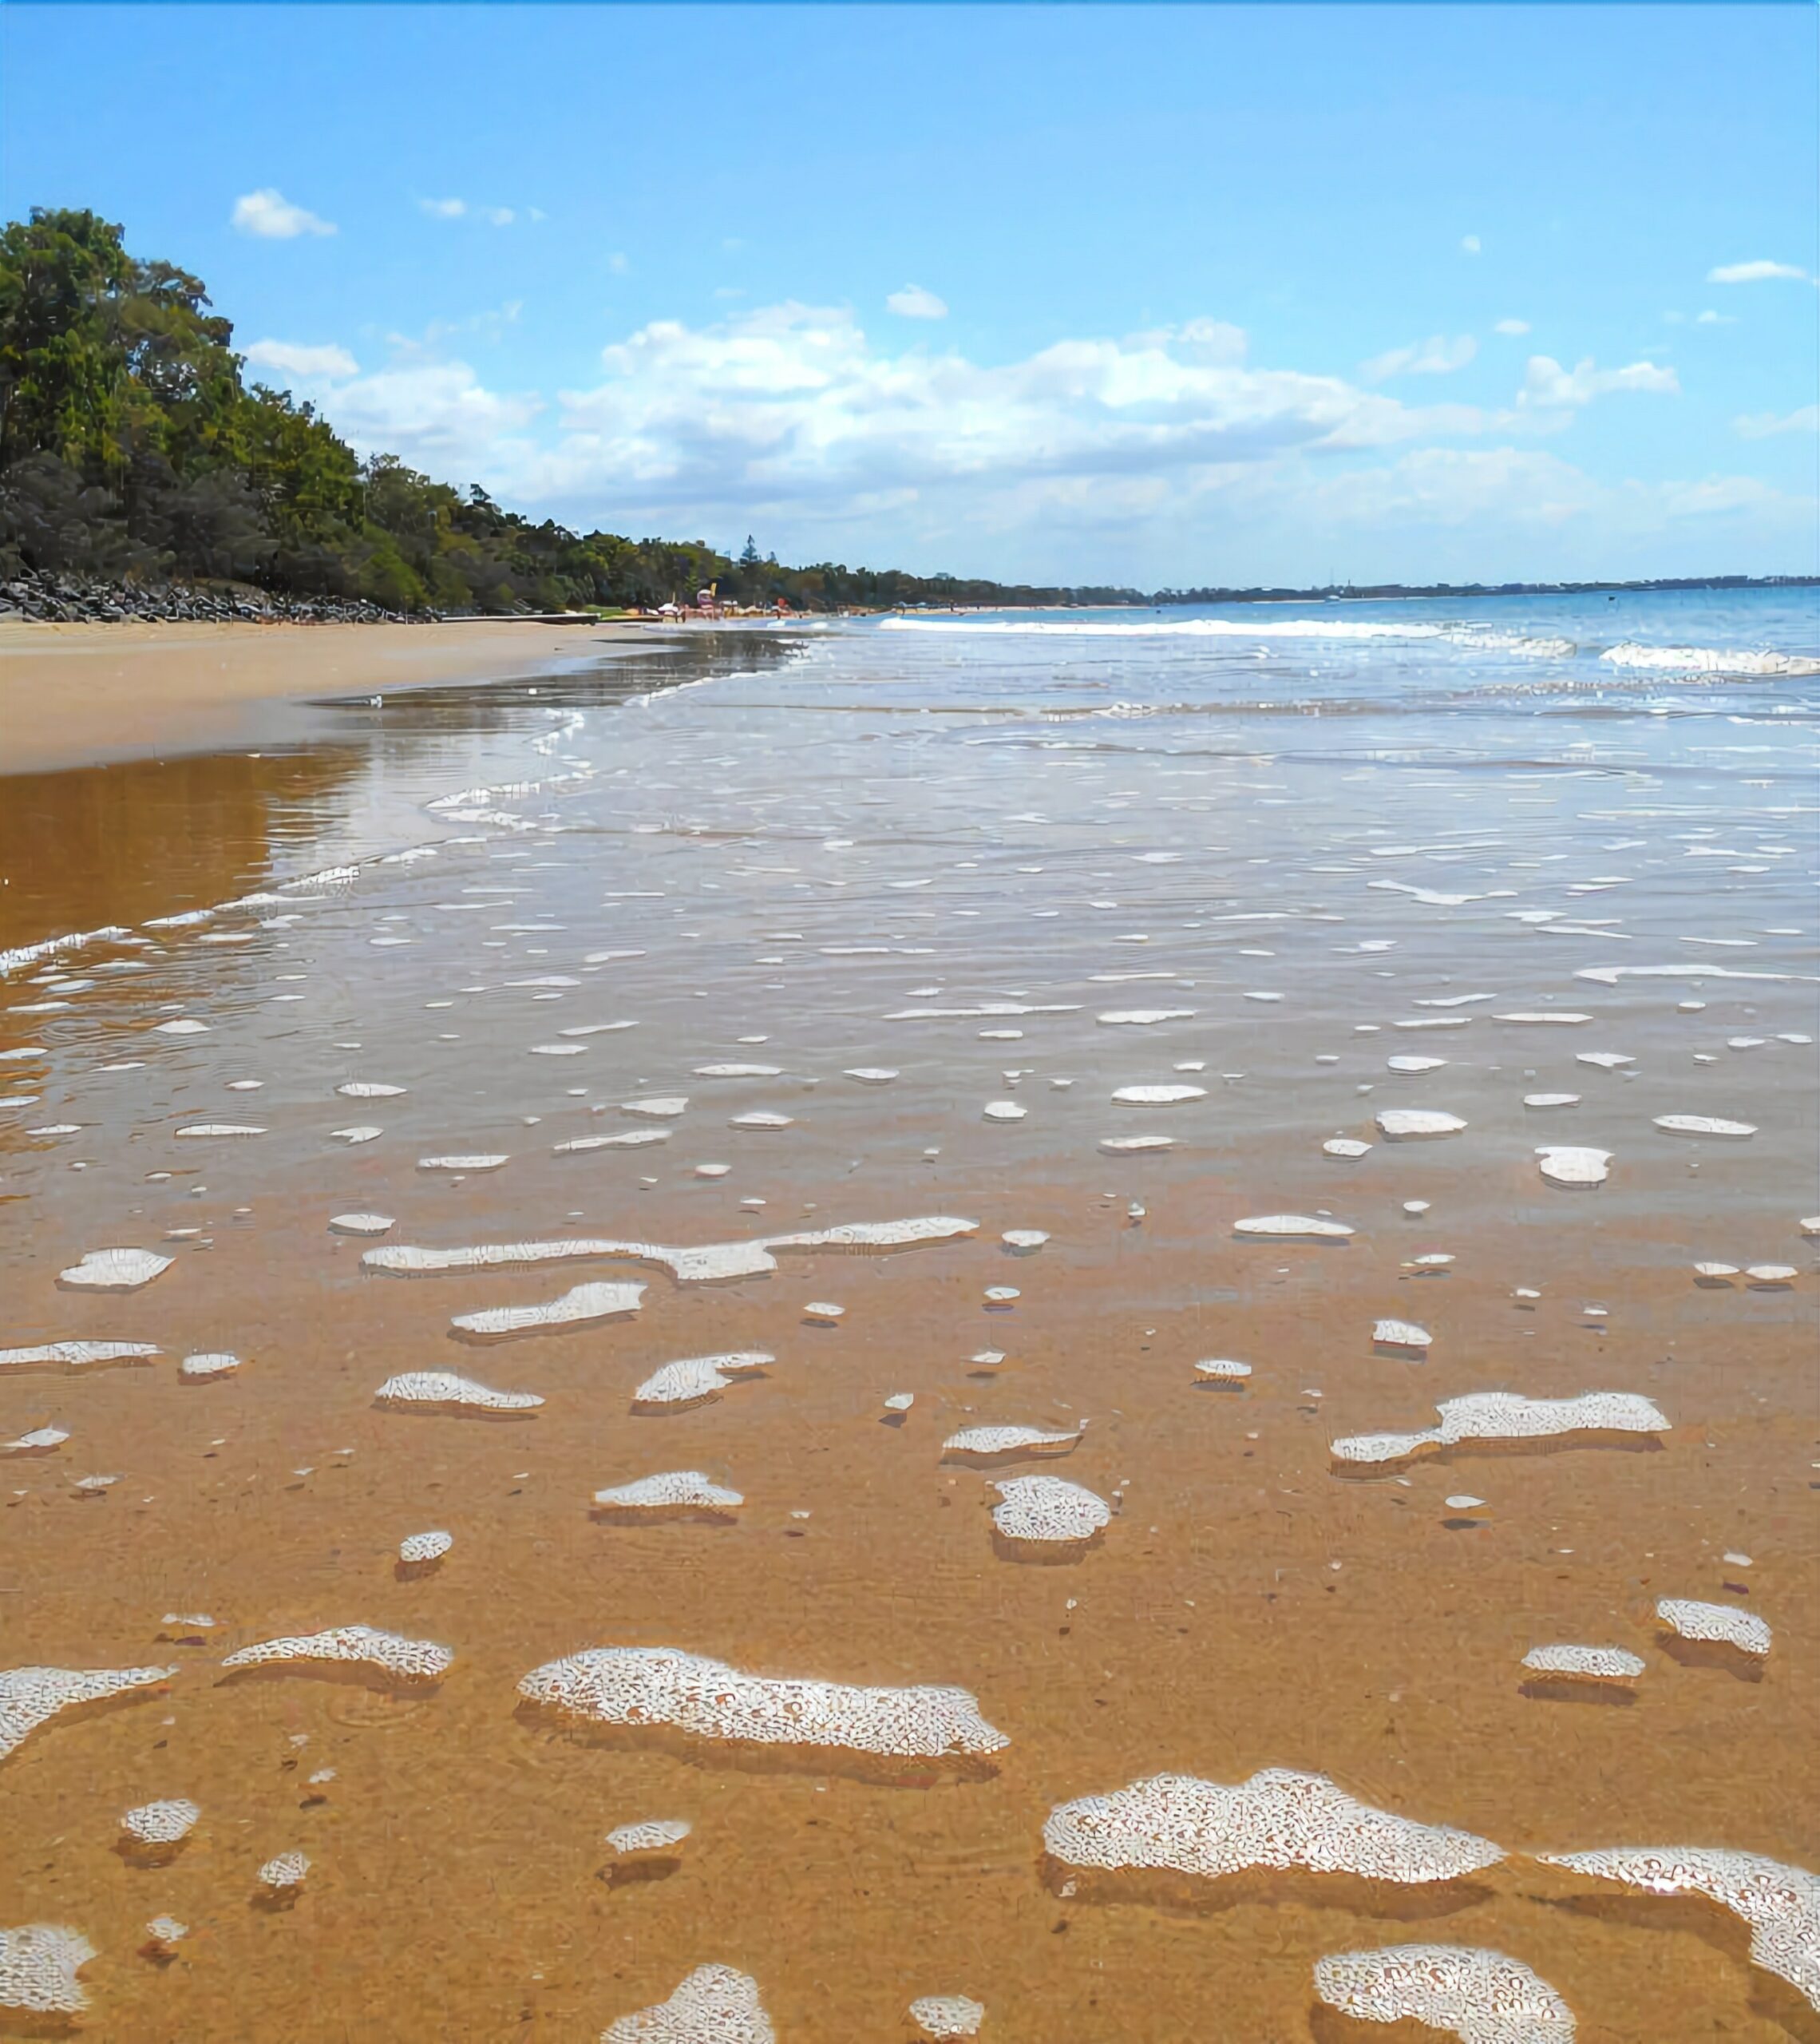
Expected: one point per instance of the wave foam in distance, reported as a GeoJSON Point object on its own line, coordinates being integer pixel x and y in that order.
{"type": "Point", "coordinates": [1179, 628]}
{"type": "Point", "coordinates": [1707, 659]}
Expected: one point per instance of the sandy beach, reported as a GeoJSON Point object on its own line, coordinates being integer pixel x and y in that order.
{"type": "Point", "coordinates": [81, 695]}
{"type": "Point", "coordinates": [928, 1030]}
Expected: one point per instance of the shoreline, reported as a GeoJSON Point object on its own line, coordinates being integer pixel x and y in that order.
{"type": "Point", "coordinates": [74, 696]}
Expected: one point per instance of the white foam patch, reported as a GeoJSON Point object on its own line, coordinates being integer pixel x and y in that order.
{"type": "Point", "coordinates": [651, 1835]}
{"type": "Point", "coordinates": [696, 1379]}
{"type": "Point", "coordinates": [712, 1262]}
{"type": "Point", "coordinates": [985, 1010]}
{"type": "Point", "coordinates": [941, 2016]}
{"type": "Point", "coordinates": [442, 1391]}
{"type": "Point", "coordinates": [988, 1444]}
{"type": "Point", "coordinates": [630, 1138]}
{"type": "Point", "coordinates": [284, 1872]}
{"type": "Point", "coordinates": [388, 1654]}
{"type": "Point", "coordinates": [161, 1823]}
{"type": "Point", "coordinates": [39, 1961]}
{"type": "Point", "coordinates": [1222, 1369]}
{"type": "Point", "coordinates": [1715, 1624]}
{"type": "Point", "coordinates": [1401, 1334]}
{"type": "Point", "coordinates": [220, 1128]}
{"type": "Point", "coordinates": [1345, 1145]}
{"type": "Point", "coordinates": [39, 1440]}
{"type": "Point", "coordinates": [1584, 1664]}
{"type": "Point", "coordinates": [1157, 1096]}
{"type": "Point", "coordinates": [467, 1165]}
{"type": "Point", "coordinates": [1403, 1124]}
{"type": "Point", "coordinates": [1291, 1227]}
{"type": "Point", "coordinates": [1049, 1510]}
{"type": "Point", "coordinates": [114, 1270]}
{"type": "Point", "coordinates": [369, 1089]}
{"type": "Point", "coordinates": [576, 1308]}
{"type": "Point", "coordinates": [1573, 1164]}
{"type": "Point", "coordinates": [421, 1550]}
{"type": "Point", "coordinates": [1478, 1996]}
{"type": "Point", "coordinates": [1134, 1146]}
{"type": "Point", "coordinates": [658, 1107]}
{"type": "Point", "coordinates": [361, 1224]}
{"type": "Point", "coordinates": [1705, 1125]}
{"type": "Point", "coordinates": [715, 2005]}
{"type": "Point", "coordinates": [206, 1365]}
{"type": "Point", "coordinates": [32, 1697]}
{"type": "Point", "coordinates": [661, 1685]}
{"type": "Point", "coordinates": [674, 1489]}
{"type": "Point", "coordinates": [1278, 1819]}
{"type": "Point", "coordinates": [1780, 1903]}
{"type": "Point", "coordinates": [1508, 1415]}
{"type": "Point", "coordinates": [76, 1355]}
{"type": "Point", "coordinates": [1144, 1017]}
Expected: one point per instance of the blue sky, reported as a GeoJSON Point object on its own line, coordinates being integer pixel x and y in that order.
{"type": "Point", "coordinates": [1180, 295]}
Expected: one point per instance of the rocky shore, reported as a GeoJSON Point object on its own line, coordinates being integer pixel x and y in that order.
{"type": "Point", "coordinates": [46, 598]}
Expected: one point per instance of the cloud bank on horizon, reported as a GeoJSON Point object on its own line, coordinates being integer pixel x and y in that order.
{"type": "Point", "coordinates": [1082, 332]}
{"type": "Point", "coordinates": [796, 418]}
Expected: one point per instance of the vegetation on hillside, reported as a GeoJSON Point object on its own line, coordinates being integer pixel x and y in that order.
{"type": "Point", "coordinates": [133, 446]}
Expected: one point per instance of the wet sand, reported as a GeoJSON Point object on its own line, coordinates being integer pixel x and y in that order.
{"type": "Point", "coordinates": [77, 695]}
{"type": "Point", "coordinates": [802, 882]}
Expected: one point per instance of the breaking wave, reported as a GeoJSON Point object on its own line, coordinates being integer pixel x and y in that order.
{"type": "Point", "coordinates": [1707, 659]}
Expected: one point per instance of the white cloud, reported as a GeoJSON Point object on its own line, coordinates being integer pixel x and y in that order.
{"type": "Point", "coordinates": [298, 358]}
{"type": "Point", "coordinates": [436, 415]}
{"type": "Point", "coordinates": [1147, 457]}
{"type": "Point", "coordinates": [618, 263]}
{"type": "Point", "coordinates": [1754, 273]}
{"type": "Point", "coordinates": [792, 404]}
{"type": "Point", "coordinates": [269, 215]}
{"type": "Point", "coordinates": [1548, 387]}
{"type": "Point", "coordinates": [1471, 243]}
{"type": "Point", "coordinates": [1711, 318]}
{"type": "Point", "coordinates": [1436, 356]}
{"type": "Point", "coordinates": [1511, 327]}
{"type": "Point", "coordinates": [457, 209]}
{"type": "Point", "coordinates": [914, 302]}
{"type": "Point", "coordinates": [1760, 426]}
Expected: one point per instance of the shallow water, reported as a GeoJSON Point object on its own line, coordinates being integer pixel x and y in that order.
{"type": "Point", "coordinates": [808, 854]}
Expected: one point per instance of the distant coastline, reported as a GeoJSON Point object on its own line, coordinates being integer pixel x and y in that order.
{"type": "Point", "coordinates": [1399, 591]}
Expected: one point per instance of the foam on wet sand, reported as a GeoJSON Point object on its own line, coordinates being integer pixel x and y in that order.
{"type": "Point", "coordinates": [662, 1687]}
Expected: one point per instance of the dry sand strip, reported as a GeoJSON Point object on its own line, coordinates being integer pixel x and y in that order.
{"type": "Point", "coordinates": [79, 695]}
